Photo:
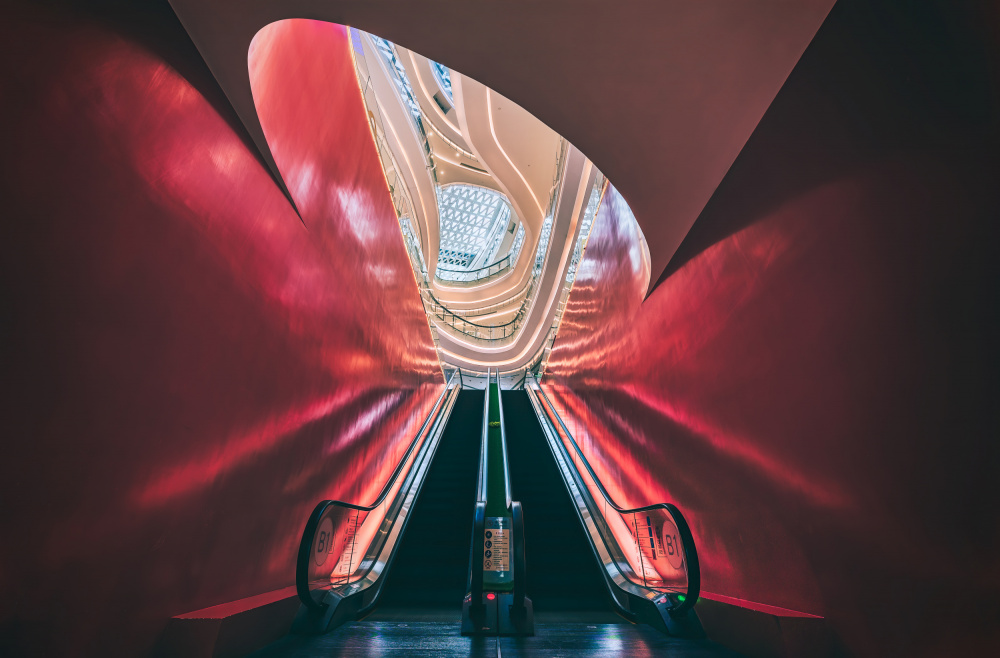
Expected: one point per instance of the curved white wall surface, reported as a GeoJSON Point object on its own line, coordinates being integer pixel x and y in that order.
{"type": "Point", "coordinates": [578, 177]}
{"type": "Point", "coordinates": [407, 151]}
{"type": "Point", "coordinates": [521, 154]}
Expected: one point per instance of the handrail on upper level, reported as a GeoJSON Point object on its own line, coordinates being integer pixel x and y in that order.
{"type": "Point", "coordinates": [517, 299]}
{"type": "Point", "coordinates": [478, 269]}
{"type": "Point", "coordinates": [448, 311]}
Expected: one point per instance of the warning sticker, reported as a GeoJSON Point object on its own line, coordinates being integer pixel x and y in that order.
{"type": "Point", "coordinates": [496, 545]}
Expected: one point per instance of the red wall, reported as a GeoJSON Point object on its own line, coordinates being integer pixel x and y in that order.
{"type": "Point", "coordinates": [188, 366]}
{"type": "Point", "coordinates": [814, 380]}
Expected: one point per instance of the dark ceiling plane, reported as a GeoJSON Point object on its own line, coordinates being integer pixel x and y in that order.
{"type": "Point", "coordinates": [660, 94]}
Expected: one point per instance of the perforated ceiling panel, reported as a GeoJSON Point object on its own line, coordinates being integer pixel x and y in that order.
{"type": "Point", "coordinates": [471, 219]}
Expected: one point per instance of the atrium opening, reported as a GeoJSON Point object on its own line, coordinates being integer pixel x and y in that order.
{"type": "Point", "coordinates": [462, 328]}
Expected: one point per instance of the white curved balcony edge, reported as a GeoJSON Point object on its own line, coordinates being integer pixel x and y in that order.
{"type": "Point", "coordinates": [407, 150]}
{"type": "Point", "coordinates": [578, 177]}
{"type": "Point", "coordinates": [521, 153]}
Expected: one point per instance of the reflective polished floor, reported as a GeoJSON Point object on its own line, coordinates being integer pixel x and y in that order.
{"type": "Point", "coordinates": [432, 635]}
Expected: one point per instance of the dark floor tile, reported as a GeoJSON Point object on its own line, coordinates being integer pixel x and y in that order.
{"type": "Point", "coordinates": [574, 640]}
{"type": "Point", "coordinates": [382, 638]}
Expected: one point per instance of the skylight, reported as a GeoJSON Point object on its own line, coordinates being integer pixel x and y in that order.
{"type": "Point", "coordinates": [406, 90]}
{"type": "Point", "coordinates": [472, 218]}
{"type": "Point", "coordinates": [443, 75]}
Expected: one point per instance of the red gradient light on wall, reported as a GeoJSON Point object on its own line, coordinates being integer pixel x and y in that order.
{"type": "Point", "coordinates": [200, 366]}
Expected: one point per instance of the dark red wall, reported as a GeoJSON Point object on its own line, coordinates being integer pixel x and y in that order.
{"type": "Point", "coordinates": [188, 367]}
{"type": "Point", "coordinates": [814, 380]}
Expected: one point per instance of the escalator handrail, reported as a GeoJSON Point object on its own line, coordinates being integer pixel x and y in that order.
{"type": "Point", "coordinates": [483, 489]}
{"type": "Point", "coordinates": [503, 442]}
{"type": "Point", "coordinates": [305, 544]}
{"type": "Point", "coordinates": [484, 445]}
{"type": "Point", "coordinates": [683, 529]}
{"type": "Point", "coordinates": [402, 462]}
{"type": "Point", "coordinates": [479, 519]}
{"type": "Point", "coordinates": [604, 492]}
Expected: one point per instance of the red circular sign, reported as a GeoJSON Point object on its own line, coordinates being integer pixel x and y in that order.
{"type": "Point", "coordinates": [672, 547]}
{"type": "Point", "coordinates": [323, 541]}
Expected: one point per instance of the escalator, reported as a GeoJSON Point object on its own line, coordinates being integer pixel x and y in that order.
{"type": "Point", "coordinates": [428, 576]}
{"type": "Point", "coordinates": [399, 576]}
{"type": "Point", "coordinates": [563, 577]}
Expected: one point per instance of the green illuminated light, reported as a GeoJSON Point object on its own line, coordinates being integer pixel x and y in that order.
{"type": "Point", "coordinates": [681, 597]}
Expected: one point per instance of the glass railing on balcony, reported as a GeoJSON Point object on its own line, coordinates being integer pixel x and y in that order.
{"type": "Point", "coordinates": [477, 276]}
{"type": "Point", "coordinates": [462, 327]}
{"type": "Point", "coordinates": [443, 75]}
{"type": "Point", "coordinates": [398, 192]}
{"type": "Point", "coordinates": [474, 277]}
{"type": "Point", "coordinates": [456, 321]}
{"type": "Point", "coordinates": [515, 247]}
{"type": "Point", "coordinates": [515, 300]}
{"type": "Point", "coordinates": [487, 273]}
{"type": "Point", "coordinates": [538, 363]}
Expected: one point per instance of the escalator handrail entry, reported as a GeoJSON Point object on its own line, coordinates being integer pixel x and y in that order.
{"type": "Point", "coordinates": [476, 575]}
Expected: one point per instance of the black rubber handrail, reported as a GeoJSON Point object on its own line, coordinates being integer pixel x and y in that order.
{"type": "Point", "coordinates": [683, 529]}
{"type": "Point", "coordinates": [305, 545]}
{"type": "Point", "coordinates": [484, 445]}
{"type": "Point", "coordinates": [604, 492]}
{"type": "Point", "coordinates": [503, 442]}
{"type": "Point", "coordinates": [524, 378]}
{"type": "Point", "coordinates": [402, 462]}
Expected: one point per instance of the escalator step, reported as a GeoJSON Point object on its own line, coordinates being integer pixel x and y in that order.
{"type": "Point", "coordinates": [431, 565]}
{"type": "Point", "coordinates": [563, 573]}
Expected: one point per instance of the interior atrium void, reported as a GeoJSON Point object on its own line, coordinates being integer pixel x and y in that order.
{"type": "Point", "coordinates": [451, 328]}
{"type": "Point", "coordinates": [504, 202]}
